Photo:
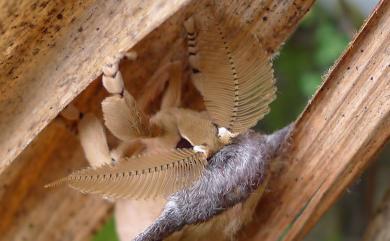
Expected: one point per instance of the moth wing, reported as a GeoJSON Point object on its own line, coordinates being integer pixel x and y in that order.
{"type": "Point", "coordinates": [155, 174]}
{"type": "Point", "coordinates": [235, 74]}
{"type": "Point", "coordinates": [93, 140]}
{"type": "Point", "coordinates": [123, 117]}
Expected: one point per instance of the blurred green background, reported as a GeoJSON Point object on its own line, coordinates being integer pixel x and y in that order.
{"type": "Point", "coordinates": [320, 39]}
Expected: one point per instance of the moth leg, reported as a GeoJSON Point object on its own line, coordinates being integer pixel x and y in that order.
{"type": "Point", "coordinates": [172, 96]}
{"type": "Point", "coordinates": [93, 140]}
{"type": "Point", "coordinates": [112, 78]}
{"type": "Point", "coordinates": [164, 122]}
{"type": "Point", "coordinates": [133, 216]}
{"type": "Point", "coordinates": [122, 116]}
{"type": "Point", "coordinates": [91, 134]}
{"type": "Point", "coordinates": [155, 86]}
{"type": "Point", "coordinates": [127, 149]}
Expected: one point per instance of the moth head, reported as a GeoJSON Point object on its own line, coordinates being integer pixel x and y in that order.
{"type": "Point", "coordinates": [210, 146]}
{"type": "Point", "coordinates": [225, 136]}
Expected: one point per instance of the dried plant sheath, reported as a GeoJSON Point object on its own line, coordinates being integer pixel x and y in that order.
{"type": "Point", "coordinates": [235, 75]}
{"type": "Point", "coordinates": [156, 174]}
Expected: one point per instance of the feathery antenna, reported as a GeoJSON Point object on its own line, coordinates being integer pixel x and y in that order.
{"type": "Point", "coordinates": [232, 71]}
{"type": "Point", "coordinates": [156, 174]}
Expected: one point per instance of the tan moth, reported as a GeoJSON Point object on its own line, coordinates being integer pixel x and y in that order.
{"type": "Point", "coordinates": [234, 75]}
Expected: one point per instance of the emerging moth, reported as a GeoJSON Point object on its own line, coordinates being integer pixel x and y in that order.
{"type": "Point", "coordinates": [226, 162]}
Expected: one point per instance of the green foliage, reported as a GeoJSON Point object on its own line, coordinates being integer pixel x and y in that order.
{"type": "Point", "coordinates": [306, 56]}
{"type": "Point", "coordinates": [107, 233]}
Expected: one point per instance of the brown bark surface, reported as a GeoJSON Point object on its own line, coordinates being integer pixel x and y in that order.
{"type": "Point", "coordinates": [50, 52]}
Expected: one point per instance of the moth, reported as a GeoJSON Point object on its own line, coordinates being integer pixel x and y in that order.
{"type": "Point", "coordinates": [225, 164]}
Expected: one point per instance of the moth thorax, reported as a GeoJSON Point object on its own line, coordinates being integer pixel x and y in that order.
{"type": "Point", "coordinates": [164, 123]}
